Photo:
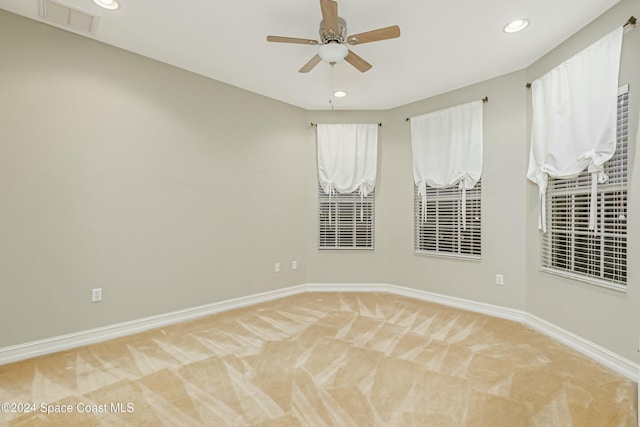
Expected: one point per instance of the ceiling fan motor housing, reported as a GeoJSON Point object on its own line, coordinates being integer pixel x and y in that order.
{"type": "Point", "coordinates": [328, 37]}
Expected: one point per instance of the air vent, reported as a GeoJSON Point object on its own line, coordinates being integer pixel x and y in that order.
{"type": "Point", "coordinates": [67, 17]}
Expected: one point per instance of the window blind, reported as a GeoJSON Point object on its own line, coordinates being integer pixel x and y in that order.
{"type": "Point", "coordinates": [346, 221]}
{"type": "Point", "coordinates": [440, 232]}
{"type": "Point", "coordinates": [569, 248]}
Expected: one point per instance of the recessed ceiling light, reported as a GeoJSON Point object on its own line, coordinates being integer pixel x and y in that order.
{"type": "Point", "coordinates": [339, 94]}
{"type": "Point", "coordinates": [516, 25]}
{"type": "Point", "coordinates": [108, 4]}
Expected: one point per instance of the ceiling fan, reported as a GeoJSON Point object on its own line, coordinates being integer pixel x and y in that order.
{"type": "Point", "coordinates": [333, 37]}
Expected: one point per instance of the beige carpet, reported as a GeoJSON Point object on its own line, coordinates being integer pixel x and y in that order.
{"type": "Point", "coordinates": [324, 360]}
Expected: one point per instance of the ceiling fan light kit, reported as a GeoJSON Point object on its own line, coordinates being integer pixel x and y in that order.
{"type": "Point", "coordinates": [331, 53]}
{"type": "Point", "coordinates": [333, 37]}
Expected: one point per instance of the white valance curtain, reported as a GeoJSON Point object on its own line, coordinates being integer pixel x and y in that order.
{"type": "Point", "coordinates": [447, 150]}
{"type": "Point", "coordinates": [574, 119]}
{"type": "Point", "coordinates": [347, 158]}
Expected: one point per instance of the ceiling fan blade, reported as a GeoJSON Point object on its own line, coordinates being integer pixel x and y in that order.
{"type": "Point", "coordinates": [279, 39]}
{"type": "Point", "coordinates": [330, 16]}
{"type": "Point", "coordinates": [309, 65]}
{"type": "Point", "coordinates": [375, 35]}
{"type": "Point", "coordinates": [357, 62]}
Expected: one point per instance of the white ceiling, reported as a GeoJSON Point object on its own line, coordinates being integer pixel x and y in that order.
{"type": "Point", "coordinates": [443, 45]}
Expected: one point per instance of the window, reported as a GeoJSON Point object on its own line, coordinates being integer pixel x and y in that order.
{"type": "Point", "coordinates": [569, 248]}
{"type": "Point", "coordinates": [345, 221]}
{"type": "Point", "coordinates": [442, 232]}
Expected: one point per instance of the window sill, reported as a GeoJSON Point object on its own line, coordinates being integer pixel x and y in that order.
{"type": "Point", "coordinates": [449, 255]}
{"type": "Point", "coordinates": [585, 279]}
{"type": "Point", "coordinates": [337, 248]}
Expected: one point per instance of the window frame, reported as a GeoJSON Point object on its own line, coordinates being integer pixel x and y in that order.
{"type": "Point", "coordinates": [612, 200]}
{"type": "Point", "coordinates": [447, 203]}
{"type": "Point", "coordinates": [351, 224]}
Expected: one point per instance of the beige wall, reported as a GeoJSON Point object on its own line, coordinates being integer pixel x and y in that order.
{"type": "Point", "coordinates": [359, 266]}
{"type": "Point", "coordinates": [510, 243]}
{"type": "Point", "coordinates": [169, 190]}
{"type": "Point", "coordinates": [166, 189]}
{"type": "Point", "coordinates": [503, 203]}
{"type": "Point", "coordinates": [608, 318]}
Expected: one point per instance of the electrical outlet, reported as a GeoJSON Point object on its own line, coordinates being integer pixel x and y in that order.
{"type": "Point", "coordinates": [294, 265]}
{"type": "Point", "coordinates": [96, 295]}
{"type": "Point", "coordinates": [277, 267]}
{"type": "Point", "coordinates": [499, 279]}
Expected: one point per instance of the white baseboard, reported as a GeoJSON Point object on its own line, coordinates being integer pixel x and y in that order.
{"type": "Point", "coordinates": [598, 353]}
{"type": "Point", "coordinates": [64, 342]}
